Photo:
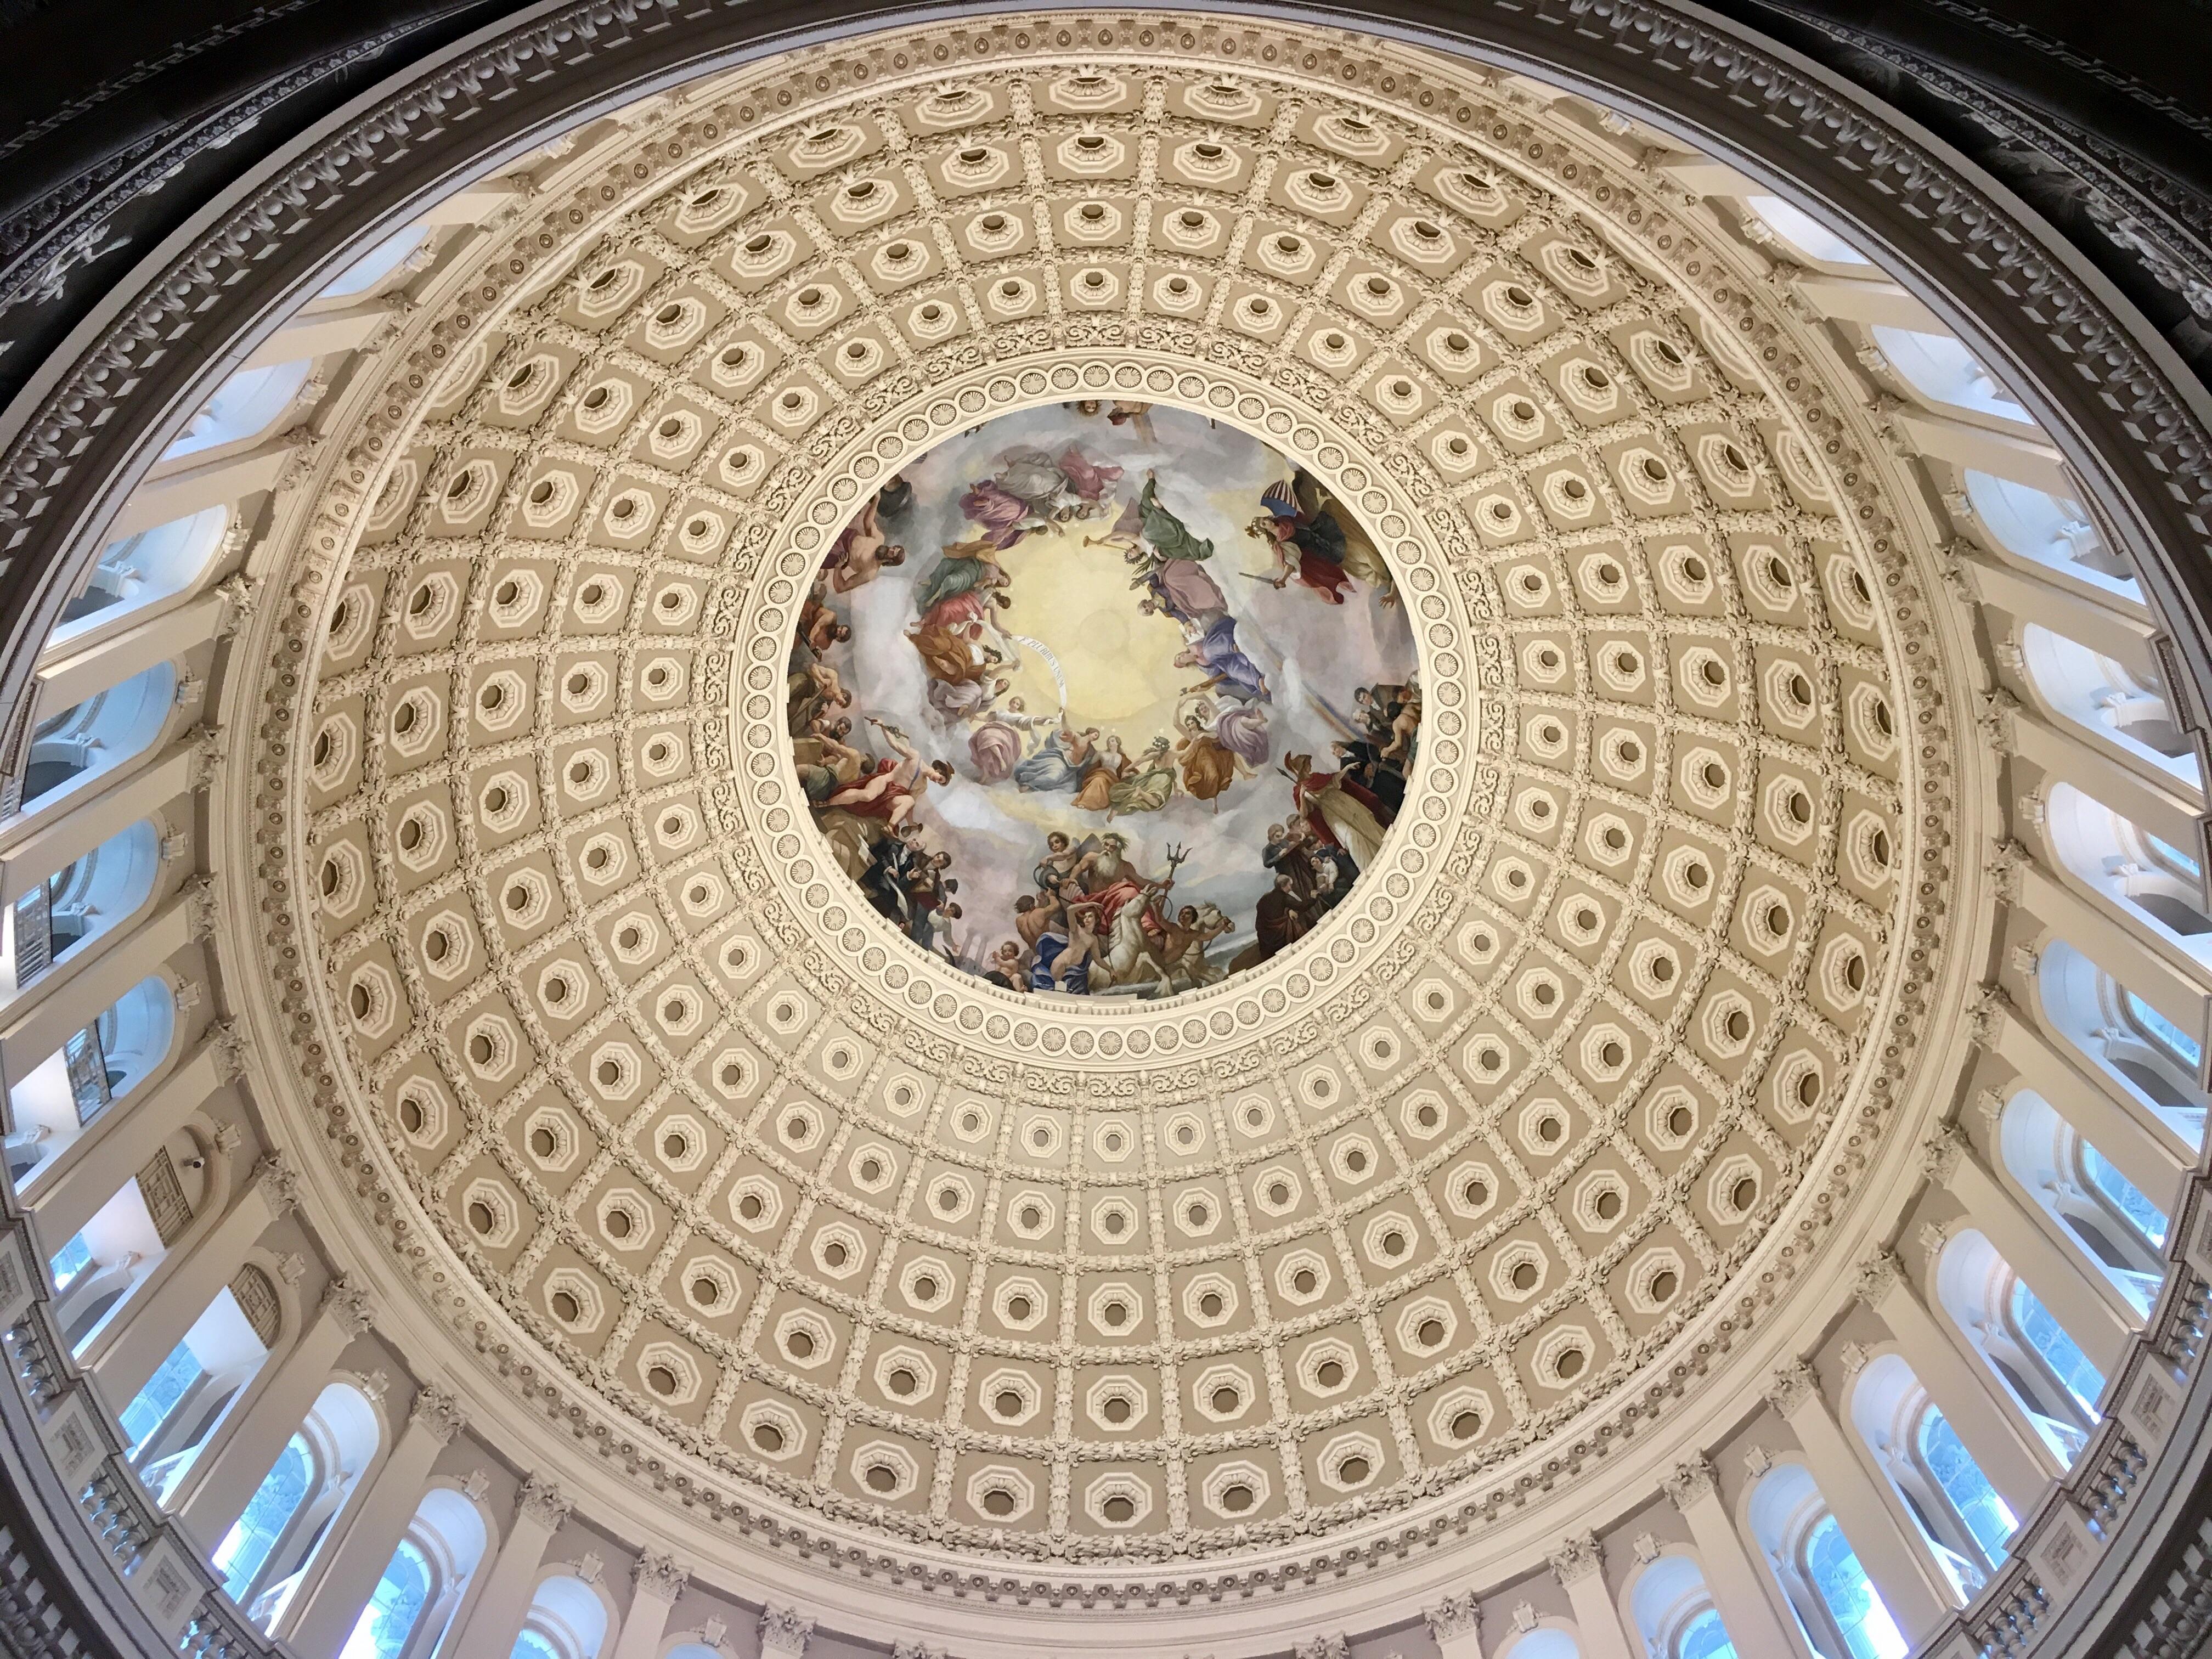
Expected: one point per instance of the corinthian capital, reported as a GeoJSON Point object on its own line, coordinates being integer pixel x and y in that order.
{"type": "Point", "coordinates": [660, 1576]}
{"type": "Point", "coordinates": [1691, 1482]}
{"type": "Point", "coordinates": [1880, 1274]}
{"type": "Point", "coordinates": [439, 1410]}
{"type": "Point", "coordinates": [1576, 1557]}
{"type": "Point", "coordinates": [784, 1632]}
{"type": "Point", "coordinates": [1455, 1615]}
{"type": "Point", "coordinates": [1941, 1153]}
{"type": "Point", "coordinates": [348, 1303]}
{"type": "Point", "coordinates": [1985, 1014]}
{"type": "Point", "coordinates": [1791, 1386]}
{"type": "Point", "coordinates": [279, 1183]}
{"type": "Point", "coordinates": [544, 1502]}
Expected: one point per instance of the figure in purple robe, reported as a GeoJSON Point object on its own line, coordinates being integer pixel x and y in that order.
{"type": "Point", "coordinates": [1213, 648]}
{"type": "Point", "coordinates": [995, 745]}
{"type": "Point", "coordinates": [1242, 729]}
{"type": "Point", "coordinates": [1087, 480]}
{"type": "Point", "coordinates": [1004, 518]}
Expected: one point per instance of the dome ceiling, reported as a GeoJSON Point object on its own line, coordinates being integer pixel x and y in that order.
{"type": "Point", "coordinates": [1048, 745]}
{"type": "Point", "coordinates": [666, 1114]}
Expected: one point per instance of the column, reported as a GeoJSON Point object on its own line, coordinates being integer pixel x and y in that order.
{"type": "Point", "coordinates": [2143, 1146]}
{"type": "Point", "coordinates": [2015, 1459]}
{"type": "Point", "coordinates": [2090, 616]}
{"type": "Point", "coordinates": [1579, 1562]}
{"type": "Point", "coordinates": [169, 1301]}
{"type": "Point", "coordinates": [2165, 976]}
{"type": "Point", "coordinates": [69, 1188]}
{"type": "Point", "coordinates": [2131, 787]}
{"type": "Point", "coordinates": [319, 333]}
{"type": "Point", "coordinates": [239, 1450]}
{"type": "Point", "coordinates": [784, 1632]}
{"type": "Point", "coordinates": [329, 1601]}
{"type": "Point", "coordinates": [658, 1582]}
{"type": "Point", "coordinates": [490, 1628]}
{"type": "Point", "coordinates": [190, 489]}
{"type": "Point", "coordinates": [1454, 1625]}
{"type": "Point", "coordinates": [1853, 299]}
{"type": "Point", "coordinates": [1906, 1579]}
{"type": "Point", "coordinates": [68, 679]}
{"type": "Point", "coordinates": [1734, 1578]}
{"type": "Point", "coordinates": [2092, 1312]}
{"type": "Point", "coordinates": [2024, 459]}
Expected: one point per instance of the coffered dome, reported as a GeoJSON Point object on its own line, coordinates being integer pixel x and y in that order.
{"type": "Point", "coordinates": [1082, 834]}
{"type": "Point", "coordinates": [697, 1149]}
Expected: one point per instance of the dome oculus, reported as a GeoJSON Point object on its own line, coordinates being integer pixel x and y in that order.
{"type": "Point", "coordinates": [1103, 699]}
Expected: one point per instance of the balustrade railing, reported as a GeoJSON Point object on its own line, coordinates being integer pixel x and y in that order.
{"type": "Point", "coordinates": [160, 1568]}
{"type": "Point", "coordinates": [2086, 1513]}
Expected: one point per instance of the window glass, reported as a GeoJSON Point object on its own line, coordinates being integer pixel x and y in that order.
{"type": "Point", "coordinates": [1808, 234]}
{"type": "Point", "coordinates": [2060, 1351]}
{"type": "Point", "coordinates": [72, 1259]}
{"type": "Point", "coordinates": [532, 1645]}
{"type": "Point", "coordinates": [1954, 1470]}
{"type": "Point", "coordinates": [1706, 1637]}
{"type": "Point", "coordinates": [1867, 1627]}
{"type": "Point", "coordinates": [389, 1618]}
{"type": "Point", "coordinates": [2174, 856]}
{"type": "Point", "coordinates": [245, 1546]}
{"type": "Point", "coordinates": [144, 1414]}
{"type": "Point", "coordinates": [2144, 1216]}
{"type": "Point", "coordinates": [2165, 1030]}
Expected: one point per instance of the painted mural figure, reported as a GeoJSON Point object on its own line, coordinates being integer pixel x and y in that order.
{"type": "Point", "coordinates": [1048, 757]}
{"type": "Point", "coordinates": [1316, 543]}
{"type": "Point", "coordinates": [1209, 764]}
{"type": "Point", "coordinates": [862, 551]}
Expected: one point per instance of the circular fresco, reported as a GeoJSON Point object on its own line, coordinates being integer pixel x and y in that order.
{"type": "Point", "coordinates": [1104, 699]}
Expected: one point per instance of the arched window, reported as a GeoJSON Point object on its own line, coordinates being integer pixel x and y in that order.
{"type": "Point", "coordinates": [246, 1547]}
{"type": "Point", "coordinates": [2043, 1334]}
{"type": "Point", "coordinates": [2147, 879]}
{"type": "Point", "coordinates": [2051, 531]}
{"type": "Point", "coordinates": [1819, 1575]}
{"type": "Point", "coordinates": [2112, 1225]}
{"type": "Point", "coordinates": [97, 735]}
{"type": "Point", "coordinates": [422, 1587]}
{"type": "Point", "coordinates": [243, 406]}
{"type": "Point", "coordinates": [1965, 1488]}
{"type": "Point", "coordinates": [1674, 1611]}
{"type": "Point", "coordinates": [219, 1355]}
{"type": "Point", "coordinates": [1848, 1595]}
{"type": "Point", "coordinates": [1943, 371]}
{"type": "Point", "coordinates": [2123, 706]}
{"type": "Point", "coordinates": [380, 262]}
{"type": "Point", "coordinates": [1952, 1503]}
{"type": "Point", "coordinates": [1704, 1638]}
{"type": "Point", "coordinates": [61, 915]}
{"type": "Point", "coordinates": [1804, 233]}
{"type": "Point", "coordinates": [126, 1239]}
{"type": "Point", "coordinates": [2129, 1206]}
{"type": "Point", "coordinates": [142, 570]}
{"type": "Point", "coordinates": [394, 1608]}
{"type": "Point", "coordinates": [566, 1620]}
{"type": "Point", "coordinates": [96, 1066]}
{"type": "Point", "coordinates": [2040, 1365]}
{"type": "Point", "coordinates": [2117, 1035]}
{"type": "Point", "coordinates": [266, 1554]}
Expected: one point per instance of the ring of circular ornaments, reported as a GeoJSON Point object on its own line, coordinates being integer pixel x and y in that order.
{"type": "Point", "coordinates": [1576, 1082]}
